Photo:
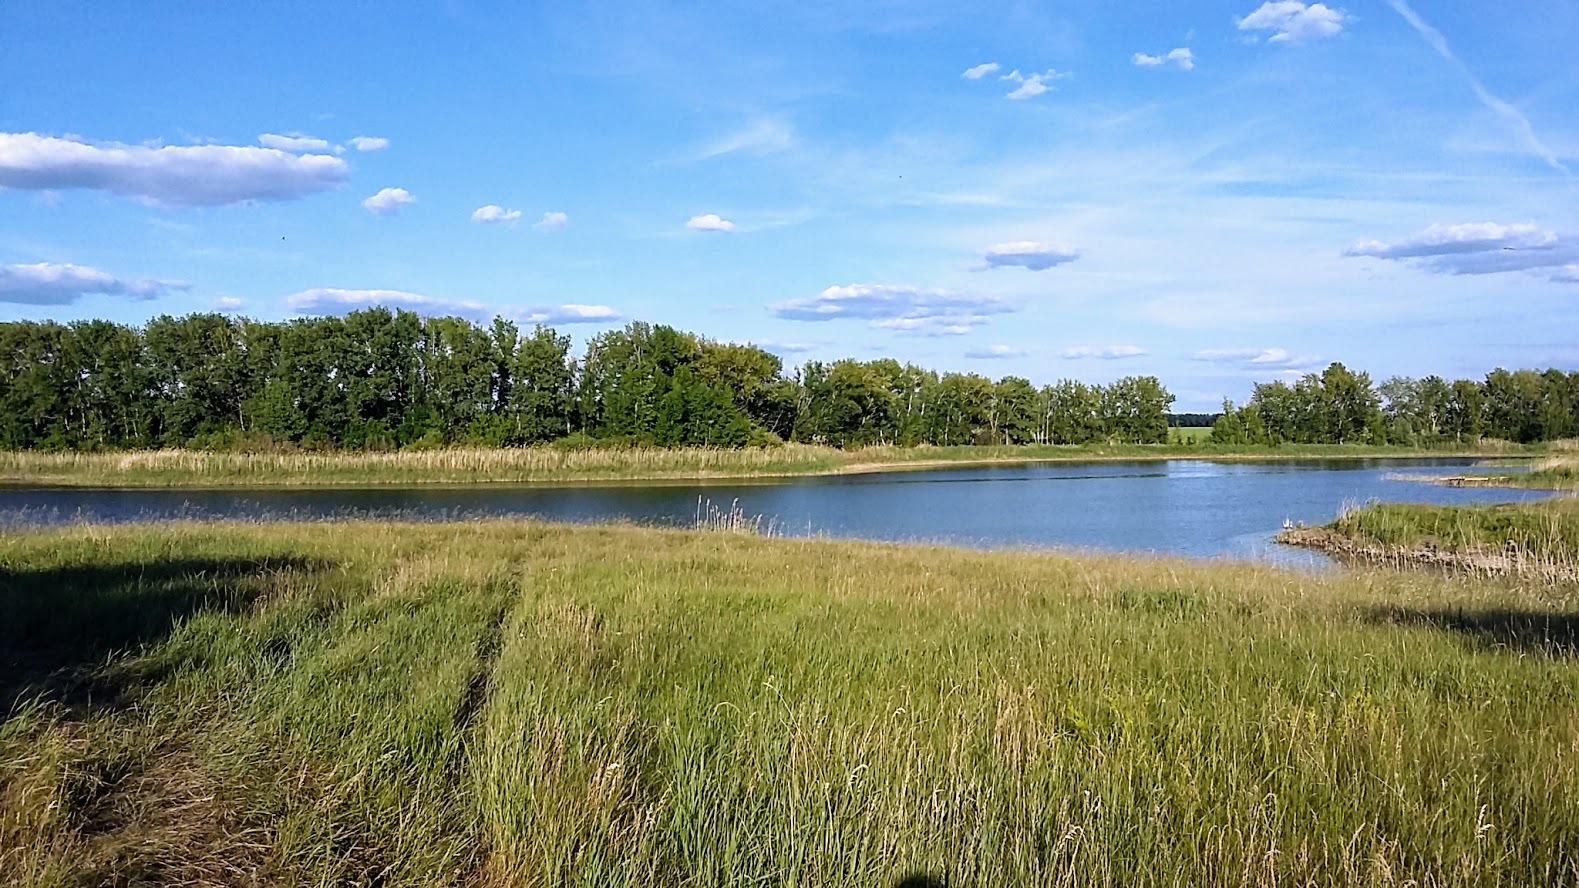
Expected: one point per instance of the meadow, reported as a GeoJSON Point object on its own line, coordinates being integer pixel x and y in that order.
{"type": "Point", "coordinates": [550, 464]}
{"type": "Point", "coordinates": [519, 703]}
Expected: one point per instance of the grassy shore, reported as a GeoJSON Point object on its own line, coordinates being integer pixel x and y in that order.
{"type": "Point", "coordinates": [1539, 538]}
{"type": "Point", "coordinates": [1560, 472]}
{"type": "Point", "coordinates": [518, 703]}
{"type": "Point", "coordinates": [554, 465]}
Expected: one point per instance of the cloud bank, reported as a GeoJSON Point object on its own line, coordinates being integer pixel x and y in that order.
{"type": "Point", "coordinates": [994, 352]}
{"type": "Point", "coordinates": [1479, 248]}
{"type": "Point", "coordinates": [190, 175]}
{"type": "Point", "coordinates": [1103, 352]}
{"type": "Point", "coordinates": [896, 307]}
{"type": "Point", "coordinates": [1255, 357]}
{"type": "Point", "coordinates": [47, 283]}
{"type": "Point", "coordinates": [330, 301]}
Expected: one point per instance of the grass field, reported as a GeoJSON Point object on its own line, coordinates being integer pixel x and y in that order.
{"type": "Point", "coordinates": [517, 703]}
{"type": "Point", "coordinates": [555, 465]}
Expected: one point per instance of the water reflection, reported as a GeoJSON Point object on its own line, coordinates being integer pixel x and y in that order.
{"type": "Point", "coordinates": [1183, 507]}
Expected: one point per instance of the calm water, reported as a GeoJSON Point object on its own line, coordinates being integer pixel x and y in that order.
{"type": "Point", "coordinates": [1185, 507]}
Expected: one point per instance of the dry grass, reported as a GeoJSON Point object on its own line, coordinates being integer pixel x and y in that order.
{"type": "Point", "coordinates": [516, 703]}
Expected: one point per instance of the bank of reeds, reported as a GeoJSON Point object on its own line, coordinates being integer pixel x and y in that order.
{"type": "Point", "coordinates": [565, 465]}
{"type": "Point", "coordinates": [512, 703]}
{"type": "Point", "coordinates": [1535, 540]}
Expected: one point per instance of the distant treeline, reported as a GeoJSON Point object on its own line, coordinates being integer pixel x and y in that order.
{"type": "Point", "coordinates": [385, 379]}
{"type": "Point", "coordinates": [1341, 407]}
{"type": "Point", "coordinates": [382, 379]}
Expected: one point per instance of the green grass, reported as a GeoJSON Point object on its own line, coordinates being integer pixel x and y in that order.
{"type": "Point", "coordinates": [528, 704]}
{"type": "Point", "coordinates": [1546, 530]}
{"type": "Point", "coordinates": [556, 465]}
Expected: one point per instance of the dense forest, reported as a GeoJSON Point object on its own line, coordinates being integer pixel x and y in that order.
{"type": "Point", "coordinates": [382, 379]}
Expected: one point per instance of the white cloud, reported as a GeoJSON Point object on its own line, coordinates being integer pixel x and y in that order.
{"type": "Point", "coordinates": [1103, 352]}
{"type": "Point", "coordinates": [1477, 248]}
{"type": "Point", "coordinates": [995, 352]}
{"type": "Point", "coordinates": [330, 301]}
{"type": "Point", "coordinates": [981, 71]}
{"type": "Point", "coordinates": [709, 222]}
{"type": "Point", "coordinates": [295, 144]}
{"type": "Point", "coordinates": [1498, 105]}
{"type": "Point", "coordinates": [369, 143]}
{"type": "Point", "coordinates": [899, 308]}
{"type": "Point", "coordinates": [48, 283]}
{"type": "Point", "coordinates": [190, 175]}
{"type": "Point", "coordinates": [1031, 85]}
{"type": "Point", "coordinates": [1568, 274]}
{"type": "Point", "coordinates": [1182, 57]}
{"type": "Point", "coordinates": [1029, 254]}
{"type": "Point", "coordinates": [229, 303]}
{"type": "Point", "coordinates": [1293, 22]}
{"type": "Point", "coordinates": [1256, 357]}
{"type": "Point", "coordinates": [779, 347]}
{"type": "Point", "coordinates": [495, 213]}
{"type": "Point", "coordinates": [552, 221]}
{"type": "Point", "coordinates": [388, 201]}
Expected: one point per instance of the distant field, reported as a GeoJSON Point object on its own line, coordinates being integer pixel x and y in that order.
{"type": "Point", "coordinates": [1194, 434]}
{"type": "Point", "coordinates": [512, 703]}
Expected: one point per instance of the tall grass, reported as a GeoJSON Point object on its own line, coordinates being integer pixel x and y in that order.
{"type": "Point", "coordinates": [554, 464]}
{"type": "Point", "coordinates": [517, 703]}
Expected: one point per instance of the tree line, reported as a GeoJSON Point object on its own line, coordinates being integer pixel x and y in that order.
{"type": "Point", "coordinates": [383, 379]}
{"type": "Point", "coordinates": [1339, 406]}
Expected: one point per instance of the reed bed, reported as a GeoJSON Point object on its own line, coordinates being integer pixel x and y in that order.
{"type": "Point", "coordinates": [515, 703]}
{"type": "Point", "coordinates": [550, 464]}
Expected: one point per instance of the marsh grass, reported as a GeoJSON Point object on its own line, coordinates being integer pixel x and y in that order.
{"type": "Point", "coordinates": [517, 703]}
{"type": "Point", "coordinates": [562, 465]}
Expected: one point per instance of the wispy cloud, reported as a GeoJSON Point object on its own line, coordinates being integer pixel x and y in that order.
{"type": "Point", "coordinates": [1181, 57]}
{"type": "Point", "coordinates": [900, 308]}
{"type": "Point", "coordinates": [1028, 254]}
{"type": "Point", "coordinates": [1256, 357]}
{"type": "Point", "coordinates": [330, 301]}
{"type": "Point", "coordinates": [764, 135]}
{"type": "Point", "coordinates": [552, 221]}
{"type": "Point", "coordinates": [709, 222]}
{"type": "Point", "coordinates": [1103, 352]}
{"type": "Point", "coordinates": [493, 213]}
{"type": "Point", "coordinates": [188, 175]}
{"type": "Point", "coordinates": [388, 201]}
{"type": "Point", "coordinates": [48, 283]}
{"type": "Point", "coordinates": [981, 71]}
{"type": "Point", "coordinates": [1031, 85]}
{"type": "Point", "coordinates": [1478, 248]}
{"type": "Point", "coordinates": [994, 352]}
{"type": "Point", "coordinates": [369, 143]}
{"type": "Point", "coordinates": [1293, 22]}
{"type": "Point", "coordinates": [1514, 116]}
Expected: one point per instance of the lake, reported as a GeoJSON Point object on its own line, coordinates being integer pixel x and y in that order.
{"type": "Point", "coordinates": [1181, 507]}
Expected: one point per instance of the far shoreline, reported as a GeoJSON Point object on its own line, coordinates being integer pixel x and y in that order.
{"type": "Point", "coordinates": [550, 467]}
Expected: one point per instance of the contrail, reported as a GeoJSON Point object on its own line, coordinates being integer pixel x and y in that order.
{"type": "Point", "coordinates": [1506, 110]}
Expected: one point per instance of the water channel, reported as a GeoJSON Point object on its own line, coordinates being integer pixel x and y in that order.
{"type": "Point", "coordinates": [1179, 507]}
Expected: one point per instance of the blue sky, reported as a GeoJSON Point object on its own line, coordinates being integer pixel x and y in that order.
{"type": "Point", "coordinates": [1212, 192]}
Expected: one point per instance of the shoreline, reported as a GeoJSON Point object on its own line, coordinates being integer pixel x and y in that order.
{"type": "Point", "coordinates": [214, 472]}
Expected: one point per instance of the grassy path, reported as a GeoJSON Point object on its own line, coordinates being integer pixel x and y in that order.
{"type": "Point", "coordinates": [551, 465]}
{"type": "Point", "coordinates": [508, 703]}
